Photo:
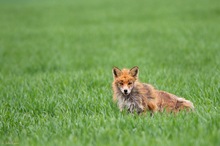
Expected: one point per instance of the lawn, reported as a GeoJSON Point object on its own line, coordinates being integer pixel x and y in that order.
{"type": "Point", "coordinates": [56, 60]}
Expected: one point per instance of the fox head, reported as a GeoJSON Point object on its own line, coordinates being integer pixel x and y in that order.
{"type": "Point", "coordinates": [124, 79]}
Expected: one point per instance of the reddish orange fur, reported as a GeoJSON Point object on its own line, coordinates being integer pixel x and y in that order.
{"type": "Point", "coordinates": [143, 97]}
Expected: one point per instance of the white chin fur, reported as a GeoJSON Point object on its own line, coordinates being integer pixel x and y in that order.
{"type": "Point", "coordinates": [128, 91]}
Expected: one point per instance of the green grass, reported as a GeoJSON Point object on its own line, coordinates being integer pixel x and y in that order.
{"type": "Point", "coordinates": [55, 70]}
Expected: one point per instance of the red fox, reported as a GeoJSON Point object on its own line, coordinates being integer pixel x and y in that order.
{"type": "Point", "coordinates": [140, 97]}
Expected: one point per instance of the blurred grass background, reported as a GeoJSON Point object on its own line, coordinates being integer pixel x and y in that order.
{"type": "Point", "coordinates": [55, 70]}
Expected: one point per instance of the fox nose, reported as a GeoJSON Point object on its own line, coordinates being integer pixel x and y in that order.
{"type": "Point", "coordinates": [125, 91]}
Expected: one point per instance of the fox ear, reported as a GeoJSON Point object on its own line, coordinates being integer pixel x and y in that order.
{"type": "Point", "coordinates": [116, 72]}
{"type": "Point", "coordinates": [134, 71]}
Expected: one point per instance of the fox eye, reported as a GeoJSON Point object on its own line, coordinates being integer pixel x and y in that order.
{"type": "Point", "coordinates": [129, 83]}
{"type": "Point", "coordinates": [121, 83]}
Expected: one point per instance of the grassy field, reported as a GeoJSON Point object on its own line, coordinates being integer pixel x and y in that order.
{"type": "Point", "coordinates": [55, 70]}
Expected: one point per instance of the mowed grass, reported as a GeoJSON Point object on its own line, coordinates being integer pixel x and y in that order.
{"type": "Point", "coordinates": [55, 70]}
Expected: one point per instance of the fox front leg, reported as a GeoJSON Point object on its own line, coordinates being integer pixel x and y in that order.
{"type": "Point", "coordinates": [131, 108]}
{"type": "Point", "coordinates": [121, 106]}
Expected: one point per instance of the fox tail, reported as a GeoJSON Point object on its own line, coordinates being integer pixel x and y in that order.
{"type": "Point", "coordinates": [184, 104]}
